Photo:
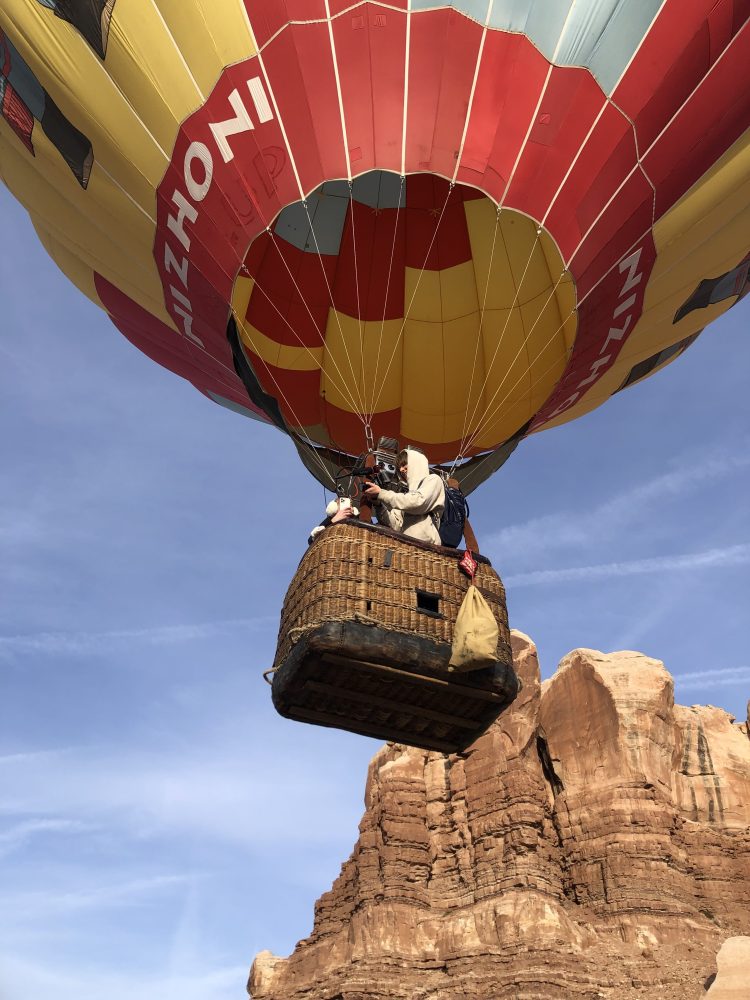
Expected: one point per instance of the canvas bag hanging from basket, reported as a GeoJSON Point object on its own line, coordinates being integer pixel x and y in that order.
{"type": "Point", "coordinates": [476, 632]}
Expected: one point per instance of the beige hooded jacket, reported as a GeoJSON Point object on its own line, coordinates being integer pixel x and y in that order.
{"type": "Point", "coordinates": [414, 513]}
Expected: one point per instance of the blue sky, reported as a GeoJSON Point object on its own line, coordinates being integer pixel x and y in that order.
{"type": "Point", "coordinates": [159, 824]}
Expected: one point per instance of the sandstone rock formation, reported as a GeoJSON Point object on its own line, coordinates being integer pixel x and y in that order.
{"type": "Point", "coordinates": [595, 842]}
{"type": "Point", "coordinates": [733, 978]}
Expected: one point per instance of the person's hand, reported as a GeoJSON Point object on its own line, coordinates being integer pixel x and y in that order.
{"type": "Point", "coordinates": [342, 514]}
{"type": "Point", "coordinates": [371, 492]}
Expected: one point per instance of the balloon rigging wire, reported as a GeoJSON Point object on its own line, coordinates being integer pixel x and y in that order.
{"type": "Point", "coordinates": [544, 374]}
{"type": "Point", "coordinates": [304, 437]}
{"type": "Point", "coordinates": [470, 103]}
{"type": "Point", "coordinates": [491, 413]}
{"type": "Point", "coordinates": [472, 472]}
{"type": "Point", "coordinates": [92, 223]}
{"type": "Point", "coordinates": [101, 169]}
{"type": "Point", "coordinates": [359, 308]}
{"type": "Point", "coordinates": [489, 416]}
{"type": "Point", "coordinates": [359, 406]}
{"type": "Point", "coordinates": [317, 328]}
{"type": "Point", "coordinates": [642, 155]}
{"type": "Point", "coordinates": [477, 343]}
{"type": "Point", "coordinates": [302, 344]}
{"type": "Point", "coordinates": [371, 413]}
{"type": "Point", "coordinates": [488, 369]}
{"type": "Point", "coordinates": [451, 187]}
{"type": "Point", "coordinates": [178, 51]}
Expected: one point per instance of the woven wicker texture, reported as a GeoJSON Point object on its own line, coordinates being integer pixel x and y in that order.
{"type": "Point", "coordinates": [369, 574]}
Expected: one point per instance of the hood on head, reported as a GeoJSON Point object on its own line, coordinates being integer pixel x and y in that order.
{"type": "Point", "coordinates": [419, 469]}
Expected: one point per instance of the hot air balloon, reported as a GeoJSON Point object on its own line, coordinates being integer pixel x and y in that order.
{"type": "Point", "coordinates": [451, 225]}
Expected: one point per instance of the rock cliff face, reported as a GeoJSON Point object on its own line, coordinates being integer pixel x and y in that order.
{"type": "Point", "coordinates": [595, 842]}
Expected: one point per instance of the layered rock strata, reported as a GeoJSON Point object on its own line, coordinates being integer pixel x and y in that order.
{"type": "Point", "coordinates": [595, 842]}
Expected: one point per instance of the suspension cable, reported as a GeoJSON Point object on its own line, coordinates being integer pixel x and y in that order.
{"type": "Point", "coordinates": [451, 186]}
{"type": "Point", "coordinates": [371, 412]}
{"type": "Point", "coordinates": [475, 469]}
{"type": "Point", "coordinates": [478, 341]}
{"type": "Point", "coordinates": [488, 369]}
{"type": "Point", "coordinates": [300, 425]}
{"type": "Point", "coordinates": [490, 415]}
{"type": "Point", "coordinates": [341, 388]}
{"type": "Point", "coordinates": [359, 408]}
{"type": "Point", "coordinates": [359, 307]}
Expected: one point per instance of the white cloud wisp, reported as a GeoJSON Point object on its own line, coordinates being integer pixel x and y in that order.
{"type": "Point", "coordinates": [564, 530]}
{"type": "Point", "coordinates": [733, 555]}
{"type": "Point", "coordinates": [82, 643]}
{"type": "Point", "coordinates": [724, 677]}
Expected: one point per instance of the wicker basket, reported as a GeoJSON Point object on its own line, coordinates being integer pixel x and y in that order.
{"type": "Point", "coordinates": [365, 639]}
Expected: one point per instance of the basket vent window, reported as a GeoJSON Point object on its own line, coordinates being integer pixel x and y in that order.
{"type": "Point", "coordinates": [428, 604]}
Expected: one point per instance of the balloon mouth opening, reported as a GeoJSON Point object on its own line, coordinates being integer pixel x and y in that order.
{"type": "Point", "coordinates": [408, 307]}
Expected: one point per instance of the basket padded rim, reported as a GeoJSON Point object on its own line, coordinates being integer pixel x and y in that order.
{"type": "Point", "coordinates": [355, 525]}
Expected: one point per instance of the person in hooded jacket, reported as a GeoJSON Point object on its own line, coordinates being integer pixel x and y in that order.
{"type": "Point", "coordinates": [416, 513]}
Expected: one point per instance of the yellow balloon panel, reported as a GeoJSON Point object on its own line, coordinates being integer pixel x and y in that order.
{"type": "Point", "coordinates": [293, 359]}
{"type": "Point", "coordinates": [146, 66]}
{"type": "Point", "coordinates": [110, 241]}
{"type": "Point", "coordinates": [89, 100]}
{"type": "Point", "coordinates": [463, 358]}
{"type": "Point", "coordinates": [547, 335]}
{"type": "Point", "coordinates": [422, 410]}
{"type": "Point", "coordinates": [362, 363]}
{"type": "Point", "coordinates": [514, 260]}
{"type": "Point", "coordinates": [458, 292]}
{"type": "Point", "coordinates": [422, 299]}
{"type": "Point", "coordinates": [506, 377]}
{"type": "Point", "coordinates": [210, 34]}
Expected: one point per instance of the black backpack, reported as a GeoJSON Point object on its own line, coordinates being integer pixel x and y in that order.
{"type": "Point", "coordinates": [454, 515]}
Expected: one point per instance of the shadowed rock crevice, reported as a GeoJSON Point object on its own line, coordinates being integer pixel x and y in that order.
{"type": "Point", "coordinates": [548, 768]}
{"type": "Point", "coordinates": [595, 842]}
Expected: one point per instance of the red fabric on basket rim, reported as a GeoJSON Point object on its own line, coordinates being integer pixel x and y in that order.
{"type": "Point", "coordinates": [468, 564]}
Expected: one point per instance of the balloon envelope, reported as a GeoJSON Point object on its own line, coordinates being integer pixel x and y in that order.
{"type": "Point", "coordinates": [452, 225]}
